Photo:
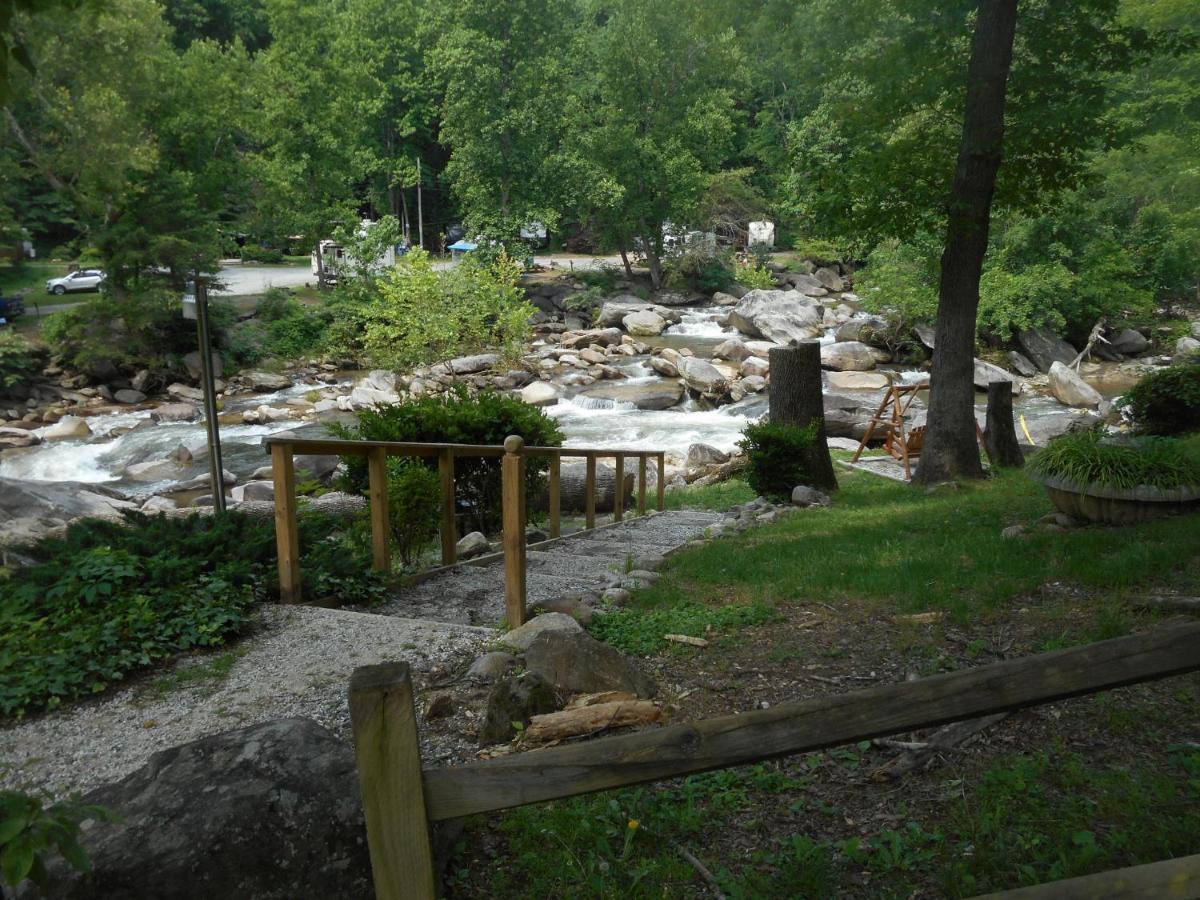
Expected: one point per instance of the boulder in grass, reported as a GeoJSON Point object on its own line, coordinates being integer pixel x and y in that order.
{"type": "Point", "coordinates": [577, 663]}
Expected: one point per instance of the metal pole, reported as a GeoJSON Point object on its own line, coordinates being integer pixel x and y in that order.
{"type": "Point", "coordinates": [420, 222]}
{"type": "Point", "coordinates": [216, 470]}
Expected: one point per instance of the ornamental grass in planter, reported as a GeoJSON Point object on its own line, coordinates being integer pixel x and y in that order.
{"type": "Point", "coordinates": [1120, 481]}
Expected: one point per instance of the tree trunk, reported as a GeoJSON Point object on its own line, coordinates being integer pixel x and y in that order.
{"type": "Point", "coordinates": [1000, 436]}
{"type": "Point", "coordinates": [950, 447]}
{"type": "Point", "coordinates": [796, 398]}
{"type": "Point", "coordinates": [572, 490]}
{"type": "Point", "coordinates": [625, 258]}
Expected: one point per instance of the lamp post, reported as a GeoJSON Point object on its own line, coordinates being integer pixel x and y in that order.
{"type": "Point", "coordinates": [195, 306]}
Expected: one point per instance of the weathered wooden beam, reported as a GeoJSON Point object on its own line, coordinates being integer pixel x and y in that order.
{"type": "Point", "coordinates": [388, 752]}
{"type": "Point", "coordinates": [1170, 879]}
{"type": "Point", "coordinates": [641, 485]}
{"type": "Point", "coordinates": [448, 530]}
{"type": "Point", "coordinates": [555, 495]}
{"type": "Point", "coordinates": [377, 490]}
{"type": "Point", "coordinates": [287, 535]}
{"type": "Point", "coordinates": [589, 494]}
{"type": "Point", "coordinates": [662, 481]}
{"type": "Point", "coordinates": [513, 498]}
{"type": "Point", "coordinates": [812, 725]}
{"type": "Point", "coordinates": [619, 487]}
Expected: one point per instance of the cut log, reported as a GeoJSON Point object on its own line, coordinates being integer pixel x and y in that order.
{"type": "Point", "coordinates": [603, 697]}
{"type": "Point", "coordinates": [1000, 435]}
{"type": "Point", "coordinates": [590, 719]}
{"type": "Point", "coordinates": [573, 487]}
{"type": "Point", "coordinates": [947, 738]}
{"type": "Point", "coordinates": [686, 639]}
{"type": "Point", "coordinates": [796, 398]}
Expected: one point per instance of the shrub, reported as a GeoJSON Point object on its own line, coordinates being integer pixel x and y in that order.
{"type": "Point", "coordinates": [458, 418]}
{"type": "Point", "coordinates": [779, 457]}
{"type": "Point", "coordinates": [414, 507]}
{"type": "Point", "coordinates": [18, 360]}
{"type": "Point", "coordinates": [753, 275]}
{"type": "Point", "coordinates": [275, 304]}
{"type": "Point", "coordinates": [1167, 401]}
{"type": "Point", "coordinates": [260, 254]}
{"type": "Point", "coordinates": [698, 270]}
{"type": "Point", "coordinates": [110, 598]}
{"type": "Point", "coordinates": [415, 315]}
{"type": "Point", "coordinates": [1085, 458]}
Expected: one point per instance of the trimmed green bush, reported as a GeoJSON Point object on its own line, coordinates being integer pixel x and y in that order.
{"type": "Point", "coordinates": [18, 360]}
{"type": "Point", "coordinates": [779, 457]}
{"type": "Point", "coordinates": [1085, 458]}
{"type": "Point", "coordinates": [1167, 401]}
{"type": "Point", "coordinates": [414, 507]}
{"type": "Point", "coordinates": [458, 417]}
{"type": "Point", "coordinates": [111, 598]}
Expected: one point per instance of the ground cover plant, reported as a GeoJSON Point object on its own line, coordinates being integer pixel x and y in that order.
{"type": "Point", "coordinates": [1092, 784]}
{"type": "Point", "coordinates": [111, 598]}
{"type": "Point", "coordinates": [1087, 458]}
{"type": "Point", "coordinates": [1167, 401]}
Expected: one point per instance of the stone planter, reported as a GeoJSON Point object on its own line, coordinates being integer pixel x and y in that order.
{"type": "Point", "coordinates": [1117, 506]}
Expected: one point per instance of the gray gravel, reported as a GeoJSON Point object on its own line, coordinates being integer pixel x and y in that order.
{"type": "Point", "coordinates": [297, 662]}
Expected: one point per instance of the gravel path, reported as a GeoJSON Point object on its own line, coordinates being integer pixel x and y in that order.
{"type": "Point", "coordinates": [297, 662]}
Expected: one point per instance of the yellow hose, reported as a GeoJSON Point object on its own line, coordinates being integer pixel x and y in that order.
{"type": "Point", "coordinates": [1025, 428]}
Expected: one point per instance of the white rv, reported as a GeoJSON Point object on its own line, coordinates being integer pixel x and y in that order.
{"type": "Point", "coordinates": [330, 257]}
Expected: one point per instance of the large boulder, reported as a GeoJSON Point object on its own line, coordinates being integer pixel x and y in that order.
{"type": "Point", "coordinates": [175, 412]}
{"type": "Point", "coordinates": [129, 395]}
{"type": "Point", "coordinates": [853, 356]}
{"type": "Point", "coordinates": [829, 279]}
{"type": "Point", "coordinates": [67, 428]}
{"type": "Point", "coordinates": [517, 698]}
{"type": "Point", "coordinates": [662, 393]}
{"type": "Point", "coordinates": [663, 367]}
{"type": "Point", "coordinates": [613, 312]}
{"type": "Point", "coordinates": [522, 636]}
{"type": "Point", "coordinates": [700, 375]}
{"type": "Point", "coordinates": [858, 381]}
{"type": "Point", "coordinates": [1045, 348]}
{"type": "Point", "coordinates": [805, 283]}
{"type": "Point", "coordinates": [266, 381]}
{"type": "Point", "coordinates": [1129, 342]}
{"type": "Point", "coordinates": [606, 337]}
{"type": "Point", "coordinates": [1022, 363]}
{"type": "Point", "coordinates": [645, 323]}
{"type": "Point", "coordinates": [192, 361]}
{"type": "Point", "coordinates": [1067, 387]}
{"type": "Point", "coordinates": [540, 393]}
{"type": "Point", "coordinates": [701, 455]}
{"type": "Point", "coordinates": [575, 662]}
{"type": "Point", "coordinates": [469, 365]}
{"type": "Point", "coordinates": [11, 438]}
{"type": "Point", "coordinates": [986, 373]}
{"type": "Point", "coordinates": [180, 391]}
{"type": "Point", "coordinates": [62, 500]}
{"type": "Point", "coordinates": [1187, 346]}
{"type": "Point", "coordinates": [271, 810]}
{"type": "Point", "coordinates": [733, 349]}
{"type": "Point", "coordinates": [785, 317]}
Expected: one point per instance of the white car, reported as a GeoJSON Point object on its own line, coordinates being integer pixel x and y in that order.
{"type": "Point", "coordinates": [83, 280]}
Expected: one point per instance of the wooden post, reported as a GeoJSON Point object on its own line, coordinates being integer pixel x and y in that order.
{"type": "Point", "coordinates": [513, 490]}
{"type": "Point", "coordinates": [388, 753]}
{"type": "Point", "coordinates": [796, 399]}
{"type": "Point", "coordinates": [287, 537]}
{"type": "Point", "coordinates": [1000, 436]}
{"type": "Point", "coordinates": [555, 495]}
{"type": "Point", "coordinates": [377, 479]}
{"type": "Point", "coordinates": [662, 482]}
{"type": "Point", "coordinates": [589, 491]}
{"type": "Point", "coordinates": [448, 531]}
{"type": "Point", "coordinates": [619, 488]}
{"type": "Point", "coordinates": [641, 485]}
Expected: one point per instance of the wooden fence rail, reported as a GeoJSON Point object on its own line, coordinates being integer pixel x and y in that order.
{"type": "Point", "coordinates": [390, 733]}
{"type": "Point", "coordinates": [512, 457]}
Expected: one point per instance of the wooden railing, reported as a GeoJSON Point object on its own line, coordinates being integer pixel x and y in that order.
{"type": "Point", "coordinates": [512, 455]}
{"type": "Point", "coordinates": [400, 798]}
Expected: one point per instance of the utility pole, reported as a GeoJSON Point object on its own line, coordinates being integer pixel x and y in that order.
{"type": "Point", "coordinates": [420, 222]}
{"type": "Point", "coordinates": [199, 311]}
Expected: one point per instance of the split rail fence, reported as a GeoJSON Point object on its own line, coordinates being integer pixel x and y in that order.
{"type": "Point", "coordinates": [401, 799]}
{"type": "Point", "coordinates": [512, 457]}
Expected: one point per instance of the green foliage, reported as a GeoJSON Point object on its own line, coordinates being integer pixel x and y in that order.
{"type": "Point", "coordinates": [260, 254]}
{"type": "Point", "coordinates": [778, 457]}
{"type": "Point", "coordinates": [698, 270]}
{"type": "Point", "coordinates": [18, 360]}
{"type": "Point", "coordinates": [142, 328]}
{"type": "Point", "coordinates": [604, 277]}
{"type": "Point", "coordinates": [640, 629]}
{"type": "Point", "coordinates": [275, 304]}
{"type": "Point", "coordinates": [720, 496]}
{"type": "Point", "coordinates": [753, 275]}
{"type": "Point", "coordinates": [414, 506]}
{"type": "Point", "coordinates": [30, 831]}
{"type": "Point", "coordinates": [458, 417]}
{"type": "Point", "coordinates": [1167, 401]}
{"type": "Point", "coordinates": [113, 597]}
{"type": "Point", "coordinates": [1086, 458]}
{"type": "Point", "coordinates": [418, 315]}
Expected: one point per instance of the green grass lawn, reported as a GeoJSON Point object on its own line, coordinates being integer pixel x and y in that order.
{"type": "Point", "coordinates": [909, 551]}
{"type": "Point", "coordinates": [30, 278]}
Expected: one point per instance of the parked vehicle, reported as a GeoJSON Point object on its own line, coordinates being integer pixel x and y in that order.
{"type": "Point", "coordinates": [11, 308]}
{"type": "Point", "coordinates": [83, 280]}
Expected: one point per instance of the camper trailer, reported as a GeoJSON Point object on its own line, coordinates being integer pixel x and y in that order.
{"type": "Point", "coordinates": [330, 257]}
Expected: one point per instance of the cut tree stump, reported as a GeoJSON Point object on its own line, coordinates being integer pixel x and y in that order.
{"type": "Point", "coordinates": [1000, 433]}
{"type": "Point", "coordinates": [796, 398]}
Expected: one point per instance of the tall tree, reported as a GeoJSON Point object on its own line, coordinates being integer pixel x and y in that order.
{"type": "Point", "coordinates": [950, 448]}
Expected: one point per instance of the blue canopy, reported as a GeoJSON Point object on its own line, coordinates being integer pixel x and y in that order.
{"type": "Point", "coordinates": [462, 245]}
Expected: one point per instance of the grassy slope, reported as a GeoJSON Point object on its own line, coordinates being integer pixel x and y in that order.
{"type": "Point", "coordinates": [1024, 816]}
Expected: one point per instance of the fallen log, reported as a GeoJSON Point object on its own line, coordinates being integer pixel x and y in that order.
{"type": "Point", "coordinates": [590, 719]}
